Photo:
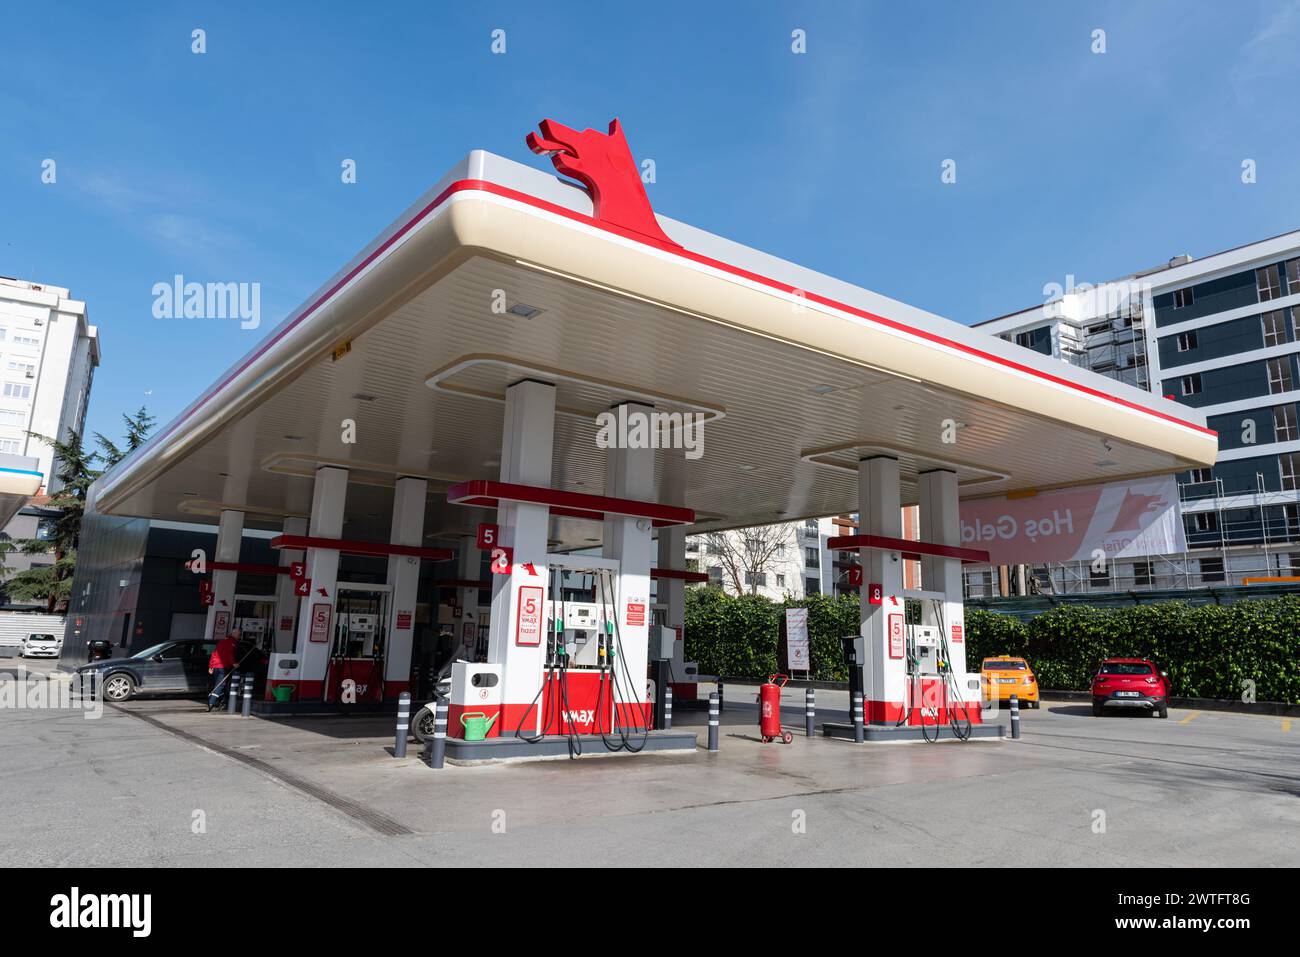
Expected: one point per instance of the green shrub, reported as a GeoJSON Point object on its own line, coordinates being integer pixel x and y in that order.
{"type": "Point", "coordinates": [1210, 651]}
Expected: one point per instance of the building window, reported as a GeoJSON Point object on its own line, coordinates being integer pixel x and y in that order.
{"type": "Point", "coordinates": [1284, 423]}
{"type": "Point", "coordinates": [1099, 579]}
{"type": "Point", "coordinates": [1191, 384]}
{"type": "Point", "coordinates": [3, 332]}
{"type": "Point", "coordinates": [1183, 297]}
{"type": "Point", "coordinates": [21, 340]}
{"type": "Point", "coordinates": [1274, 327]}
{"type": "Point", "coordinates": [11, 446]}
{"type": "Point", "coordinates": [715, 576]}
{"type": "Point", "coordinates": [780, 581]}
{"type": "Point", "coordinates": [1279, 374]}
{"type": "Point", "coordinates": [24, 367]}
{"type": "Point", "coordinates": [1186, 341]}
{"type": "Point", "coordinates": [1211, 570]}
{"type": "Point", "coordinates": [812, 558]}
{"type": "Point", "coordinates": [12, 417]}
{"type": "Point", "coordinates": [1205, 522]}
{"type": "Point", "coordinates": [1201, 475]}
{"type": "Point", "coordinates": [1289, 463]}
{"type": "Point", "coordinates": [812, 586]}
{"type": "Point", "coordinates": [1142, 573]}
{"type": "Point", "coordinates": [1267, 284]}
{"type": "Point", "coordinates": [1292, 276]}
{"type": "Point", "coordinates": [14, 390]}
{"type": "Point", "coordinates": [759, 579]}
{"type": "Point", "coordinates": [1291, 516]}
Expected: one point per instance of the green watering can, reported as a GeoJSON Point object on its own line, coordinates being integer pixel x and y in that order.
{"type": "Point", "coordinates": [476, 724]}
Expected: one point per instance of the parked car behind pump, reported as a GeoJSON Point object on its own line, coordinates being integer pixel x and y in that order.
{"type": "Point", "coordinates": [1004, 676]}
{"type": "Point", "coordinates": [40, 646]}
{"type": "Point", "coordinates": [1130, 683]}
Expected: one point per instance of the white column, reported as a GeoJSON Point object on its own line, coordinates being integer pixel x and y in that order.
{"type": "Point", "coordinates": [671, 593]}
{"type": "Point", "coordinates": [286, 602]}
{"type": "Point", "coordinates": [327, 501]}
{"type": "Point", "coordinates": [940, 524]}
{"type": "Point", "coordinates": [469, 568]}
{"type": "Point", "coordinates": [630, 473]}
{"type": "Point", "coordinates": [221, 613]}
{"type": "Point", "coordinates": [409, 497]}
{"type": "Point", "coordinates": [879, 513]}
{"type": "Point", "coordinates": [526, 444]}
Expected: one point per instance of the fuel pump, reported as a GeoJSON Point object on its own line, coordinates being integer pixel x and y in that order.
{"type": "Point", "coordinates": [356, 664]}
{"type": "Point", "coordinates": [855, 657]}
{"type": "Point", "coordinates": [933, 696]}
{"type": "Point", "coordinates": [586, 687]}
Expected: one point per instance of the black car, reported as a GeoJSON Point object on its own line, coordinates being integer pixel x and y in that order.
{"type": "Point", "coordinates": [173, 667]}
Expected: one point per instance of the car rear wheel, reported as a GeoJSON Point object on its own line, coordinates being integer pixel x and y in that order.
{"type": "Point", "coordinates": [118, 687]}
{"type": "Point", "coordinates": [1097, 710]}
{"type": "Point", "coordinates": [1162, 711]}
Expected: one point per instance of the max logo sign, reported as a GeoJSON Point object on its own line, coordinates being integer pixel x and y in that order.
{"type": "Point", "coordinates": [602, 162]}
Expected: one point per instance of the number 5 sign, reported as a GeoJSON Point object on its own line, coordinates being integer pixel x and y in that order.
{"type": "Point", "coordinates": [528, 626]}
{"type": "Point", "coordinates": [488, 535]}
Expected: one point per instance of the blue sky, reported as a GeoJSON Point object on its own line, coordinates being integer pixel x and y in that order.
{"type": "Point", "coordinates": [225, 167]}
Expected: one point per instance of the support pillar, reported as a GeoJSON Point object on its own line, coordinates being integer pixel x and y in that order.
{"type": "Point", "coordinates": [221, 613]}
{"type": "Point", "coordinates": [316, 610]}
{"type": "Point", "coordinates": [469, 568]}
{"type": "Point", "coordinates": [286, 602]}
{"type": "Point", "coordinates": [630, 473]}
{"type": "Point", "coordinates": [526, 443]}
{"type": "Point", "coordinates": [671, 593]}
{"type": "Point", "coordinates": [940, 524]}
{"type": "Point", "coordinates": [409, 497]}
{"type": "Point", "coordinates": [884, 626]}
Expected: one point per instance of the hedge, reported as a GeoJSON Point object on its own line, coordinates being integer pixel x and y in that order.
{"type": "Point", "coordinates": [1210, 651]}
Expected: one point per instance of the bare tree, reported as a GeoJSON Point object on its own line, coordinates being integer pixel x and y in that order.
{"type": "Point", "coordinates": [747, 554]}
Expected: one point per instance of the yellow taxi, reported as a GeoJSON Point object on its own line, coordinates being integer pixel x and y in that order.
{"type": "Point", "coordinates": [1004, 676]}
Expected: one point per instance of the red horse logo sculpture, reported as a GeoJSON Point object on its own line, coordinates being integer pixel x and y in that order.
{"type": "Point", "coordinates": [603, 164]}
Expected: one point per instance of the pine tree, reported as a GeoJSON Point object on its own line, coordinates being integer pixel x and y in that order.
{"type": "Point", "coordinates": [76, 470]}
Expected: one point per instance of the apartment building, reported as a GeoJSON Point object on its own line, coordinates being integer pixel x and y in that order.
{"type": "Point", "coordinates": [1221, 333]}
{"type": "Point", "coordinates": [792, 559]}
{"type": "Point", "coordinates": [48, 356]}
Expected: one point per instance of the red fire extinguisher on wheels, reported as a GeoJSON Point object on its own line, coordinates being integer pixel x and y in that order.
{"type": "Point", "coordinates": [769, 710]}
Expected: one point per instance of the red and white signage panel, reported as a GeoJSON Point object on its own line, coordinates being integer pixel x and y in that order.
{"type": "Point", "coordinates": [635, 614]}
{"type": "Point", "coordinates": [875, 592]}
{"type": "Point", "coordinates": [302, 587]}
{"type": "Point", "coordinates": [956, 634]}
{"type": "Point", "coordinates": [896, 636]}
{"type": "Point", "coordinates": [503, 560]}
{"type": "Point", "coordinates": [1122, 519]}
{"type": "Point", "coordinates": [528, 624]}
{"type": "Point", "coordinates": [297, 570]}
{"type": "Point", "coordinates": [321, 613]}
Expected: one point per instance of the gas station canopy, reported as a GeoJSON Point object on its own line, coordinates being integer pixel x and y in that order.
{"type": "Point", "coordinates": [502, 272]}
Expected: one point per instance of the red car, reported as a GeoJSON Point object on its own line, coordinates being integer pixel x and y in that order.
{"type": "Point", "coordinates": [1130, 683]}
